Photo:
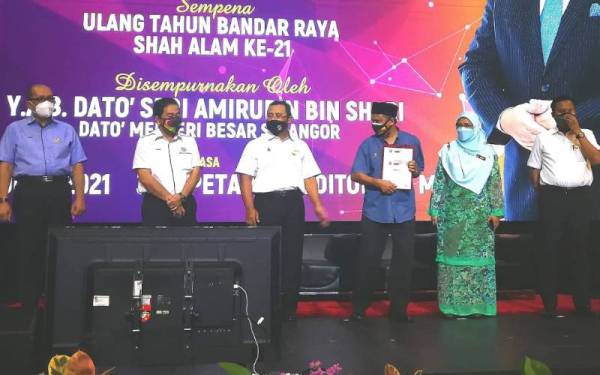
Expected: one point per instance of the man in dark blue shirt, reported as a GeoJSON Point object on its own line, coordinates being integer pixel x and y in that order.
{"type": "Point", "coordinates": [386, 210]}
{"type": "Point", "coordinates": [42, 154]}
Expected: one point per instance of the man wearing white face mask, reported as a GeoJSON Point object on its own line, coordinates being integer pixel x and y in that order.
{"type": "Point", "coordinates": [42, 154]}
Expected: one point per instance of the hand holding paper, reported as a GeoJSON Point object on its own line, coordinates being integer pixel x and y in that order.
{"type": "Point", "coordinates": [395, 166]}
{"type": "Point", "coordinates": [386, 187]}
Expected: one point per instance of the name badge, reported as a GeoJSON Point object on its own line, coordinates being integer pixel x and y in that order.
{"type": "Point", "coordinates": [481, 157]}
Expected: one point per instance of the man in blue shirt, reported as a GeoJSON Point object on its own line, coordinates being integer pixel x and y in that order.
{"type": "Point", "coordinates": [40, 153]}
{"type": "Point", "coordinates": [386, 210]}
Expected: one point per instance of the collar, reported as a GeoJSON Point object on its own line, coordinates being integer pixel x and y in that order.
{"type": "Point", "coordinates": [271, 137]}
{"type": "Point", "coordinates": [555, 131]}
{"type": "Point", "coordinates": [32, 120]}
{"type": "Point", "coordinates": [157, 134]}
{"type": "Point", "coordinates": [382, 139]}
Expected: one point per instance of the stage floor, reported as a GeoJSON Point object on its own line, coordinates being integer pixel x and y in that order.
{"type": "Point", "coordinates": [433, 344]}
{"type": "Point", "coordinates": [439, 346]}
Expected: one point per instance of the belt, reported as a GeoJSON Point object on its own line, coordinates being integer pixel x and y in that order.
{"type": "Point", "coordinates": [565, 190]}
{"type": "Point", "coordinates": [280, 193]}
{"type": "Point", "coordinates": [42, 179]}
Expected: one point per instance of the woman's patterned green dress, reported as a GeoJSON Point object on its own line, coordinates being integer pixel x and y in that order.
{"type": "Point", "coordinates": [465, 245]}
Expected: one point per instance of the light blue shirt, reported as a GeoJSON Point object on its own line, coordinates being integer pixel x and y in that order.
{"type": "Point", "coordinates": [34, 150]}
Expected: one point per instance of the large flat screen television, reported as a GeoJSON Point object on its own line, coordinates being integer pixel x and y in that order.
{"type": "Point", "coordinates": [164, 296]}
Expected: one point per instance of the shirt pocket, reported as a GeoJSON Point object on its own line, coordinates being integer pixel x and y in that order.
{"type": "Point", "coordinates": [264, 159]}
{"type": "Point", "coordinates": [296, 160]}
{"type": "Point", "coordinates": [57, 147]}
{"type": "Point", "coordinates": [578, 156]}
{"type": "Point", "coordinates": [184, 161]}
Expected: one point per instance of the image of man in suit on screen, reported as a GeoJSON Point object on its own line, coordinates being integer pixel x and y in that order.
{"type": "Point", "coordinates": [524, 54]}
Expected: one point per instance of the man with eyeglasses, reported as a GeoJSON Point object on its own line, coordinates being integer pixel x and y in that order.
{"type": "Point", "coordinates": [275, 171]}
{"type": "Point", "coordinates": [42, 154]}
{"type": "Point", "coordinates": [168, 169]}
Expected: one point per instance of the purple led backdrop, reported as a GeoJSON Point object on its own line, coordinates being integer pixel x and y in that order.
{"type": "Point", "coordinates": [339, 54]}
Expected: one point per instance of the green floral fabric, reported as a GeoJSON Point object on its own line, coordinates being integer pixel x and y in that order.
{"type": "Point", "coordinates": [464, 290]}
{"type": "Point", "coordinates": [465, 248]}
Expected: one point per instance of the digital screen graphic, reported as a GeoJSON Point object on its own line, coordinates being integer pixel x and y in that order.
{"type": "Point", "coordinates": [107, 61]}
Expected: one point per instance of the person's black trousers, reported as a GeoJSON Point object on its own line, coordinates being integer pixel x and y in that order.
{"type": "Point", "coordinates": [372, 245]}
{"type": "Point", "coordinates": [564, 212]}
{"type": "Point", "coordinates": [155, 212]}
{"type": "Point", "coordinates": [286, 209]}
{"type": "Point", "coordinates": [37, 205]}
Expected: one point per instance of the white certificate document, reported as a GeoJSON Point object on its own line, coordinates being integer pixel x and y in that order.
{"type": "Point", "coordinates": [395, 166]}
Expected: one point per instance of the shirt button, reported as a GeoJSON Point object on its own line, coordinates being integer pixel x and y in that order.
{"type": "Point", "coordinates": [545, 87]}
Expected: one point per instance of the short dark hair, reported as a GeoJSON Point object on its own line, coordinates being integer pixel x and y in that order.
{"type": "Point", "coordinates": [288, 108]}
{"type": "Point", "coordinates": [160, 104]}
{"type": "Point", "coordinates": [30, 90]}
{"type": "Point", "coordinates": [32, 87]}
{"type": "Point", "coordinates": [560, 99]}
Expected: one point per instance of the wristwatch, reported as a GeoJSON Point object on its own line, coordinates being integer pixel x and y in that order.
{"type": "Point", "coordinates": [3, 199]}
{"type": "Point", "coordinates": [580, 135]}
{"type": "Point", "coordinates": [182, 197]}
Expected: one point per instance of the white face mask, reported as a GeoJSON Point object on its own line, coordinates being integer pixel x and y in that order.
{"type": "Point", "coordinates": [44, 109]}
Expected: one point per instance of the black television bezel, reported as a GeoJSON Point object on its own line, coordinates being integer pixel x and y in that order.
{"type": "Point", "coordinates": [268, 335]}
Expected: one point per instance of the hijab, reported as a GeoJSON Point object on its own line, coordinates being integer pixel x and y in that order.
{"type": "Point", "coordinates": [469, 162]}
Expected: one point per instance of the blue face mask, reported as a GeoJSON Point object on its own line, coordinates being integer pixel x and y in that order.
{"type": "Point", "coordinates": [464, 134]}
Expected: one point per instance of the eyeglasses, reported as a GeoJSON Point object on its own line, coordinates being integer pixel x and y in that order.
{"type": "Point", "coordinates": [40, 99]}
{"type": "Point", "coordinates": [277, 116]}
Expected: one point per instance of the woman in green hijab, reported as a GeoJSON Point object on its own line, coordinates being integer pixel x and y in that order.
{"type": "Point", "coordinates": [466, 206]}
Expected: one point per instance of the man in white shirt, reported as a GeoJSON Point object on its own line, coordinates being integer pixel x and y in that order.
{"type": "Point", "coordinates": [168, 169]}
{"type": "Point", "coordinates": [560, 170]}
{"type": "Point", "coordinates": [275, 171]}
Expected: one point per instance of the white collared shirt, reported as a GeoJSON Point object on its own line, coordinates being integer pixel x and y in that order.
{"type": "Point", "coordinates": [561, 162]}
{"type": "Point", "coordinates": [169, 162]}
{"type": "Point", "coordinates": [565, 4]}
{"type": "Point", "coordinates": [277, 164]}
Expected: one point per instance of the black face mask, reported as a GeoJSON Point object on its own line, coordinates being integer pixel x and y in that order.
{"type": "Point", "coordinates": [561, 123]}
{"type": "Point", "coordinates": [172, 125]}
{"type": "Point", "coordinates": [276, 126]}
{"type": "Point", "coordinates": [380, 129]}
